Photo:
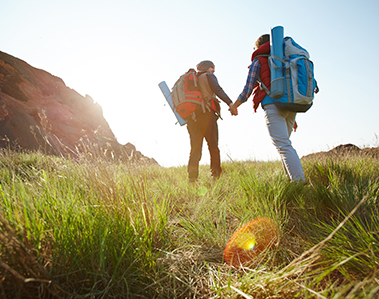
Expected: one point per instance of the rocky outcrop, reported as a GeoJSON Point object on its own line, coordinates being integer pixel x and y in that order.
{"type": "Point", "coordinates": [38, 111]}
{"type": "Point", "coordinates": [346, 150]}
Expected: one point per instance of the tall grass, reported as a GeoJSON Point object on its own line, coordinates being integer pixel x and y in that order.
{"type": "Point", "coordinates": [97, 228]}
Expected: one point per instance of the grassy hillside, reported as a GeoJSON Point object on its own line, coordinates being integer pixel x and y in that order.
{"type": "Point", "coordinates": [100, 229]}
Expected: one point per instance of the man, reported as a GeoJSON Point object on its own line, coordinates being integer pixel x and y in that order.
{"type": "Point", "coordinates": [203, 123]}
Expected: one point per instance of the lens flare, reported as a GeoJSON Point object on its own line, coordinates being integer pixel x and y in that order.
{"type": "Point", "coordinates": [247, 243]}
{"type": "Point", "coordinates": [202, 191]}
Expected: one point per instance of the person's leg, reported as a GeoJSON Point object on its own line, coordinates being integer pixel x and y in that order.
{"type": "Point", "coordinates": [290, 121]}
{"type": "Point", "coordinates": [211, 136]}
{"type": "Point", "coordinates": [279, 124]}
{"type": "Point", "coordinates": [196, 141]}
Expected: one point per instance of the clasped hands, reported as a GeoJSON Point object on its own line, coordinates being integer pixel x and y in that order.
{"type": "Point", "coordinates": [233, 110]}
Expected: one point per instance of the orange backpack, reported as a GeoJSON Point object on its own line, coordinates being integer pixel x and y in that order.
{"type": "Point", "coordinates": [186, 94]}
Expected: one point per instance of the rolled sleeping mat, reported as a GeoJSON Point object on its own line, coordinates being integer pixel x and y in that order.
{"type": "Point", "coordinates": [277, 66]}
{"type": "Point", "coordinates": [167, 94]}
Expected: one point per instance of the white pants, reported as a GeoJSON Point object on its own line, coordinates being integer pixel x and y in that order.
{"type": "Point", "coordinates": [279, 123]}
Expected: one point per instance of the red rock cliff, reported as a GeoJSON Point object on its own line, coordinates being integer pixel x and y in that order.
{"type": "Point", "coordinates": [38, 111]}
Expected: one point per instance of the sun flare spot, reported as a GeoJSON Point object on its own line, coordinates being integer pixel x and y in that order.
{"type": "Point", "coordinates": [246, 241]}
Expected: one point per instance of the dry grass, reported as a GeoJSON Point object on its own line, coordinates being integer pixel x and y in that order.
{"type": "Point", "coordinates": [98, 228]}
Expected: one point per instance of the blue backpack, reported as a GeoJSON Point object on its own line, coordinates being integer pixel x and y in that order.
{"type": "Point", "coordinates": [292, 78]}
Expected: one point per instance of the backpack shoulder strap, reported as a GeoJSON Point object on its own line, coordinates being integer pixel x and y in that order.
{"type": "Point", "coordinates": [262, 55]}
{"type": "Point", "coordinates": [262, 86]}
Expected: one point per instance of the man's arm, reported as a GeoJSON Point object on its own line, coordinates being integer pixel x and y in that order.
{"type": "Point", "coordinates": [213, 83]}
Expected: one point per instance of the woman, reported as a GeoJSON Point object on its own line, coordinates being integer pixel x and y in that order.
{"type": "Point", "coordinates": [279, 122]}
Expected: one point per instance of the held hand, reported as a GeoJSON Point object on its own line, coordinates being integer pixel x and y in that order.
{"type": "Point", "coordinates": [233, 111]}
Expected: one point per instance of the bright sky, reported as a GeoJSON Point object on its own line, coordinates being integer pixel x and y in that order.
{"type": "Point", "coordinates": [118, 51]}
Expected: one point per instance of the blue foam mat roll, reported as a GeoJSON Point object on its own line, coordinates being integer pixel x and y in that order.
{"type": "Point", "coordinates": [277, 67]}
{"type": "Point", "coordinates": [167, 94]}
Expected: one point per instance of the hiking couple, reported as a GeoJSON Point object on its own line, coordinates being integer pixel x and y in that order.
{"type": "Point", "coordinates": [279, 122]}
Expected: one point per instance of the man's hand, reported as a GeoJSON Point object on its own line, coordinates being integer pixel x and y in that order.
{"type": "Point", "coordinates": [233, 111]}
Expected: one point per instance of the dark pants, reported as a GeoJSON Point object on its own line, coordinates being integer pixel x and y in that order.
{"type": "Point", "coordinates": [205, 126]}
